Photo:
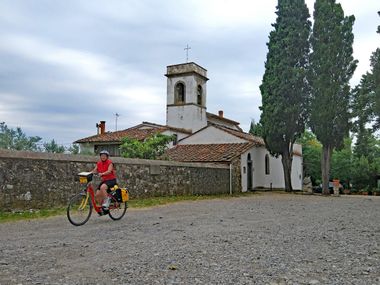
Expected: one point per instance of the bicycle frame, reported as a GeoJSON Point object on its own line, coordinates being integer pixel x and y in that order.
{"type": "Point", "coordinates": [90, 192]}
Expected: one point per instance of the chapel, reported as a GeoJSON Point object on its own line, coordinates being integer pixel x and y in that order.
{"type": "Point", "coordinates": [203, 137]}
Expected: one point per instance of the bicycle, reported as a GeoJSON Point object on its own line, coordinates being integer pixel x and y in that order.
{"type": "Point", "coordinates": [81, 205]}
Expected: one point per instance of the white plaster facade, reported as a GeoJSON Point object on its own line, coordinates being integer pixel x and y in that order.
{"type": "Point", "coordinates": [257, 171]}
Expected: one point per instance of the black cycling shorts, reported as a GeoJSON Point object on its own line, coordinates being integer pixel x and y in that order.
{"type": "Point", "coordinates": [109, 183]}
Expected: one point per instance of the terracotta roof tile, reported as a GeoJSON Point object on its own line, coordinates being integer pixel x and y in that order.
{"type": "Point", "coordinates": [207, 152]}
{"type": "Point", "coordinates": [214, 116]}
{"type": "Point", "coordinates": [139, 132]}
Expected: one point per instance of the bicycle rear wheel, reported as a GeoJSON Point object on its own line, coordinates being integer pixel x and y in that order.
{"type": "Point", "coordinates": [79, 209]}
{"type": "Point", "coordinates": [117, 209]}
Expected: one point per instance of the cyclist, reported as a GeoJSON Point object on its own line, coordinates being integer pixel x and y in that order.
{"type": "Point", "coordinates": [104, 167]}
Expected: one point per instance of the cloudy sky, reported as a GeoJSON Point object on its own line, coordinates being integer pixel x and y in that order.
{"type": "Point", "coordinates": [66, 65]}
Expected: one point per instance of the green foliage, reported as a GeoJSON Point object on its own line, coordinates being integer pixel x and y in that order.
{"type": "Point", "coordinates": [256, 129]}
{"type": "Point", "coordinates": [74, 149]}
{"type": "Point", "coordinates": [366, 96]}
{"type": "Point", "coordinates": [367, 145]}
{"type": "Point", "coordinates": [284, 90]}
{"type": "Point", "coordinates": [152, 148]}
{"type": "Point", "coordinates": [362, 102]}
{"type": "Point", "coordinates": [311, 152]}
{"type": "Point", "coordinates": [375, 64]}
{"type": "Point", "coordinates": [342, 163]}
{"type": "Point", "coordinates": [16, 139]}
{"type": "Point", "coordinates": [331, 67]}
{"type": "Point", "coordinates": [361, 173]}
{"type": "Point", "coordinates": [53, 147]}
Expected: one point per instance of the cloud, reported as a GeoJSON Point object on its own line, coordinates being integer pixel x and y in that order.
{"type": "Point", "coordinates": [65, 65]}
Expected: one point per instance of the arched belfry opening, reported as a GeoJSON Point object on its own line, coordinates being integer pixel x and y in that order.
{"type": "Point", "coordinates": [199, 95]}
{"type": "Point", "coordinates": [180, 93]}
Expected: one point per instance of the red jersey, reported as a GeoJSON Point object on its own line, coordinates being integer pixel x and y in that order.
{"type": "Point", "coordinates": [102, 166]}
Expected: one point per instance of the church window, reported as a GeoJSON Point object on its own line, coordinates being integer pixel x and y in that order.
{"type": "Point", "coordinates": [179, 93]}
{"type": "Point", "coordinates": [199, 95]}
{"type": "Point", "coordinates": [267, 165]}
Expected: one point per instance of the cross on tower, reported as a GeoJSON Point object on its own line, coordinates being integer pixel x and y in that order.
{"type": "Point", "coordinates": [187, 52]}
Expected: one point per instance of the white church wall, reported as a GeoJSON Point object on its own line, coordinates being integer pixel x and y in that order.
{"type": "Point", "coordinates": [212, 135]}
{"type": "Point", "coordinates": [258, 166]}
{"type": "Point", "coordinates": [188, 117]}
{"type": "Point", "coordinates": [275, 178]}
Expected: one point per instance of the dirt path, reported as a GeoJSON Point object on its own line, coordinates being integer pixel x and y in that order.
{"type": "Point", "coordinates": [260, 239]}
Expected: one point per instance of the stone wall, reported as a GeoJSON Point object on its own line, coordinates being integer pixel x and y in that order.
{"type": "Point", "coordinates": [39, 180]}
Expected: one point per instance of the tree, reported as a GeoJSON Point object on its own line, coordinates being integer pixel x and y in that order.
{"type": "Point", "coordinates": [74, 149]}
{"type": "Point", "coordinates": [361, 173]}
{"type": "Point", "coordinates": [53, 147]}
{"type": "Point", "coordinates": [311, 153]}
{"type": "Point", "coordinates": [331, 67]}
{"type": "Point", "coordinates": [342, 163]}
{"type": "Point", "coordinates": [16, 139]}
{"type": "Point", "coordinates": [375, 63]}
{"type": "Point", "coordinates": [362, 102]}
{"type": "Point", "coordinates": [255, 129]}
{"type": "Point", "coordinates": [152, 148]}
{"type": "Point", "coordinates": [366, 95]}
{"type": "Point", "coordinates": [366, 159]}
{"type": "Point", "coordinates": [284, 88]}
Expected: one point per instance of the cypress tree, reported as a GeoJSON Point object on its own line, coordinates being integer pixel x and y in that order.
{"type": "Point", "coordinates": [331, 67]}
{"type": "Point", "coordinates": [284, 89]}
{"type": "Point", "coordinates": [375, 63]}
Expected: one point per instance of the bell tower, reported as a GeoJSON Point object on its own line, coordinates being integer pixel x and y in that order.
{"type": "Point", "coordinates": [186, 96]}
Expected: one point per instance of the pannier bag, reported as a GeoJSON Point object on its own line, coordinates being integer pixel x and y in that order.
{"type": "Point", "coordinates": [124, 195]}
{"type": "Point", "coordinates": [120, 194]}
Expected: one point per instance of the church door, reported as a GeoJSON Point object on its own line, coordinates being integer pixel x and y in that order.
{"type": "Point", "coordinates": [249, 172]}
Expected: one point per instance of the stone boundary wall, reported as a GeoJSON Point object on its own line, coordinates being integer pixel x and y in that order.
{"type": "Point", "coordinates": [31, 180]}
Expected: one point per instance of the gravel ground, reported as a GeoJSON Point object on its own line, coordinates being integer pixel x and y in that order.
{"type": "Point", "coordinates": [259, 239]}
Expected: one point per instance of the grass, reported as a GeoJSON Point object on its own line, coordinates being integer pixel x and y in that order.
{"type": "Point", "coordinates": [135, 203]}
{"type": "Point", "coordinates": [29, 214]}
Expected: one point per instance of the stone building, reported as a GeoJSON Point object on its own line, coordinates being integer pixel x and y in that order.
{"type": "Point", "coordinates": [204, 137]}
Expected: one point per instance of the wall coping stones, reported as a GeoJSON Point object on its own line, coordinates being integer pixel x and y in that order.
{"type": "Point", "coordinates": [4, 153]}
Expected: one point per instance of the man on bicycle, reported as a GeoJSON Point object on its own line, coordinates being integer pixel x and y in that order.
{"type": "Point", "coordinates": [104, 167]}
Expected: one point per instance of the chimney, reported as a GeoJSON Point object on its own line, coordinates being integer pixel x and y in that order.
{"type": "Point", "coordinates": [102, 127]}
{"type": "Point", "coordinates": [221, 113]}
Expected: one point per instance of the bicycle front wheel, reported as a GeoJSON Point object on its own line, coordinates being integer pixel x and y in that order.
{"type": "Point", "coordinates": [117, 209]}
{"type": "Point", "coordinates": [79, 209]}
